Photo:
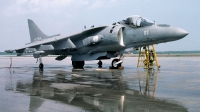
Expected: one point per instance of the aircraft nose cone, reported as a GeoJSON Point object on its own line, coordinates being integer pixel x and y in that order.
{"type": "Point", "coordinates": [181, 33]}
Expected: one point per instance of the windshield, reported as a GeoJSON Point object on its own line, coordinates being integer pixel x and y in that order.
{"type": "Point", "coordinates": [137, 21]}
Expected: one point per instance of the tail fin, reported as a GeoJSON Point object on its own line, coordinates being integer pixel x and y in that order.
{"type": "Point", "coordinates": [35, 32]}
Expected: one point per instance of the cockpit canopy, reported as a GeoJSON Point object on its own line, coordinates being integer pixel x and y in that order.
{"type": "Point", "coordinates": [137, 21]}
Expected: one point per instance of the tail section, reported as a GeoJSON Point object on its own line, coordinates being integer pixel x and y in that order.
{"type": "Point", "coordinates": [35, 33]}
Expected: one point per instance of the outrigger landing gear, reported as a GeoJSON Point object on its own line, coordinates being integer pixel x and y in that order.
{"type": "Point", "coordinates": [78, 64]}
{"type": "Point", "coordinates": [41, 64]}
{"type": "Point", "coordinates": [117, 63]}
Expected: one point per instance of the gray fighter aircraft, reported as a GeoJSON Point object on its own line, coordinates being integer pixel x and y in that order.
{"type": "Point", "coordinates": [101, 42]}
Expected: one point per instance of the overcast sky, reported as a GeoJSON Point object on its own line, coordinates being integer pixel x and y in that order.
{"type": "Point", "coordinates": [70, 16]}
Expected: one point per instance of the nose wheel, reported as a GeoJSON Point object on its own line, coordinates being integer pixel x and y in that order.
{"type": "Point", "coordinates": [115, 65]}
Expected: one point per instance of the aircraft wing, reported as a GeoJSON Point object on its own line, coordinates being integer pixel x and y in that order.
{"type": "Point", "coordinates": [47, 44]}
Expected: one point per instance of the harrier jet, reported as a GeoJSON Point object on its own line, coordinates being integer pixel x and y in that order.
{"type": "Point", "coordinates": [101, 42]}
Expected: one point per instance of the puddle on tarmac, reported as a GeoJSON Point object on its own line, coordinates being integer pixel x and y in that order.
{"type": "Point", "coordinates": [93, 89]}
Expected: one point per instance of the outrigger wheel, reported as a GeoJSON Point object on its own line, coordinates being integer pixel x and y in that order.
{"type": "Point", "coordinates": [114, 65]}
{"type": "Point", "coordinates": [41, 66]}
{"type": "Point", "coordinates": [78, 64]}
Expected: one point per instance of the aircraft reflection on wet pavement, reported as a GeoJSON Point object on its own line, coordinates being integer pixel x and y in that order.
{"type": "Point", "coordinates": [106, 91]}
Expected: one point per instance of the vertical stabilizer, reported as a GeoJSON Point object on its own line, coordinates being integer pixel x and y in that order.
{"type": "Point", "coordinates": [35, 33]}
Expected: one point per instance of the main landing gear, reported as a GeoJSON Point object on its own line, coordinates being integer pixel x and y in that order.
{"type": "Point", "coordinates": [100, 64]}
{"type": "Point", "coordinates": [78, 64]}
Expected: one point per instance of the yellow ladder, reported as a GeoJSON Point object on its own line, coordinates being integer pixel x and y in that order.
{"type": "Point", "coordinates": [147, 57]}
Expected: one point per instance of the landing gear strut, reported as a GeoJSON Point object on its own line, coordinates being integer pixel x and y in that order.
{"type": "Point", "coordinates": [78, 64]}
{"type": "Point", "coordinates": [116, 63]}
{"type": "Point", "coordinates": [41, 64]}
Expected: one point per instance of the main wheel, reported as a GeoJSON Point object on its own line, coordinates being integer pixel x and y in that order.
{"type": "Point", "coordinates": [78, 64]}
{"type": "Point", "coordinates": [81, 64]}
{"type": "Point", "coordinates": [100, 64]}
{"type": "Point", "coordinates": [114, 65]}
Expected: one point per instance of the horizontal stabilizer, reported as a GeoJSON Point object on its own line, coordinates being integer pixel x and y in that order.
{"type": "Point", "coordinates": [9, 51]}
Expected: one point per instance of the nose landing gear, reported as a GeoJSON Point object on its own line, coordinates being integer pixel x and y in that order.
{"type": "Point", "coordinates": [117, 63]}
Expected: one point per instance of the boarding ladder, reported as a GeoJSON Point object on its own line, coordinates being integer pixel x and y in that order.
{"type": "Point", "coordinates": [147, 57]}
